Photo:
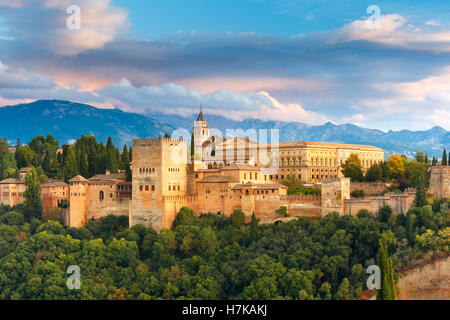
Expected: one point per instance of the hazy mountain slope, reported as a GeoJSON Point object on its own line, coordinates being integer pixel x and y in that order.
{"type": "Point", "coordinates": [68, 120]}
{"type": "Point", "coordinates": [431, 141]}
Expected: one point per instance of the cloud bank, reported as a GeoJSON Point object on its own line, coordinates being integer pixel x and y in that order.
{"type": "Point", "coordinates": [392, 78]}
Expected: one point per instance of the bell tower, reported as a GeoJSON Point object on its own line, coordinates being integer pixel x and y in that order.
{"type": "Point", "coordinates": [201, 134]}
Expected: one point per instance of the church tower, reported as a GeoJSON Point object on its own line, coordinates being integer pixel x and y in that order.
{"type": "Point", "coordinates": [201, 134]}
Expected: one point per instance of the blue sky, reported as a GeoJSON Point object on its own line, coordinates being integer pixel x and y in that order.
{"type": "Point", "coordinates": [310, 61]}
{"type": "Point", "coordinates": [281, 17]}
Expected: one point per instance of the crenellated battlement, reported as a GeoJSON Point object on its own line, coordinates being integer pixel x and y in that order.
{"type": "Point", "coordinates": [154, 141]}
{"type": "Point", "coordinates": [309, 197]}
{"type": "Point", "coordinates": [185, 199]}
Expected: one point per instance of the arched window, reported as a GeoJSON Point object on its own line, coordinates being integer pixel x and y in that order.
{"type": "Point", "coordinates": [101, 196]}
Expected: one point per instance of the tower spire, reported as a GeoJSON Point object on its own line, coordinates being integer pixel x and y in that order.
{"type": "Point", "coordinates": [201, 117]}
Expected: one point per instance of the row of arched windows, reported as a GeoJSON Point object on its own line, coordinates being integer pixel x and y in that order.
{"type": "Point", "coordinates": [146, 170]}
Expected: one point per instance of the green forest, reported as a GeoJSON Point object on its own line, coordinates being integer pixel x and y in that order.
{"type": "Point", "coordinates": [216, 257]}
{"type": "Point", "coordinates": [85, 156]}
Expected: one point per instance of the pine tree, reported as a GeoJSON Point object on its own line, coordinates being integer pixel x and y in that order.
{"type": "Point", "coordinates": [32, 195]}
{"type": "Point", "coordinates": [387, 291]}
{"type": "Point", "coordinates": [70, 166]}
{"type": "Point", "coordinates": [444, 158]}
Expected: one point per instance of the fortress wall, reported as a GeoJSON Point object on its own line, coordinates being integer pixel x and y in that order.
{"type": "Point", "coordinates": [369, 188]}
{"type": "Point", "coordinates": [51, 196]}
{"type": "Point", "coordinates": [399, 202]}
{"type": "Point", "coordinates": [111, 203]}
{"type": "Point", "coordinates": [304, 206]}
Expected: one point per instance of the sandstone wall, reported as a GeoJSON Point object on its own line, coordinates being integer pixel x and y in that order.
{"type": "Point", "coordinates": [369, 188]}
{"type": "Point", "coordinates": [399, 202]}
{"type": "Point", "coordinates": [440, 182]}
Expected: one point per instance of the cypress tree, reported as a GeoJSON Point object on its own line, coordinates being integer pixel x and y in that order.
{"type": "Point", "coordinates": [32, 195]}
{"type": "Point", "coordinates": [126, 162]}
{"type": "Point", "coordinates": [254, 233]}
{"type": "Point", "coordinates": [192, 146]}
{"type": "Point", "coordinates": [84, 164]}
{"type": "Point", "coordinates": [421, 194]}
{"type": "Point", "coordinates": [387, 291]}
{"type": "Point", "coordinates": [112, 163]}
{"type": "Point", "coordinates": [409, 228]}
{"type": "Point", "coordinates": [444, 158]}
{"type": "Point", "coordinates": [70, 166]}
{"type": "Point", "coordinates": [434, 161]}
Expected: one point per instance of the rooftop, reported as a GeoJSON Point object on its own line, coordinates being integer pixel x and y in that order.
{"type": "Point", "coordinates": [109, 177]}
{"type": "Point", "coordinates": [218, 178]}
{"type": "Point", "coordinates": [78, 178]}
{"type": "Point", "coordinates": [54, 183]}
{"type": "Point", "coordinates": [11, 181]}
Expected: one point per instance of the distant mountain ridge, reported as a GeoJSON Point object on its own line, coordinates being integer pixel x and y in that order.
{"type": "Point", "coordinates": [67, 121]}
{"type": "Point", "coordinates": [407, 142]}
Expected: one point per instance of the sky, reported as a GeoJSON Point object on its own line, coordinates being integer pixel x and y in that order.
{"type": "Point", "coordinates": [311, 61]}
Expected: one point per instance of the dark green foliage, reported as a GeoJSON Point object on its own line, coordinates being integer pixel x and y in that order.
{"type": "Point", "coordinates": [357, 193]}
{"type": "Point", "coordinates": [353, 171]}
{"type": "Point", "coordinates": [86, 157]}
{"type": "Point", "coordinates": [125, 162]}
{"type": "Point", "coordinates": [254, 231]}
{"type": "Point", "coordinates": [444, 158]}
{"type": "Point", "coordinates": [32, 195]}
{"type": "Point", "coordinates": [282, 211]}
{"type": "Point", "coordinates": [375, 173]}
{"type": "Point", "coordinates": [238, 218]}
{"type": "Point", "coordinates": [387, 291]}
{"type": "Point", "coordinates": [305, 190]}
{"type": "Point", "coordinates": [385, 213]}
{"type": "Point", "coordinates": [208, 256]}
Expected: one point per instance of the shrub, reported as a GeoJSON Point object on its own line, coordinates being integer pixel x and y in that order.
{"type": "Point", "coordinates": [282, 211]}
{"type": "Point", "coordinates": [357, 193]}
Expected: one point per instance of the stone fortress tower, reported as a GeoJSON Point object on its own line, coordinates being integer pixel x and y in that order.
{"type": "Point", "coordinates": [159, 171]}
{"type": "Point", "coordinates": [440, 182]}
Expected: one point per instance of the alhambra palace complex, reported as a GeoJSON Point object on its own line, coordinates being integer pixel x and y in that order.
{"type": "Point", "coordinates": [225, 174]}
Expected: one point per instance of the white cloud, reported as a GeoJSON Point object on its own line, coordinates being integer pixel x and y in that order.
{"type": "Point", "coordinates": [395, 30]}
{"type": "Point", "coordinates": [433, 23]}
{"type": "Point", "coordinates": [101, 23]}
{"type": "Point", "coordinates": [19, 85]}
{"type": "Point", "coordinates": [176, 99]}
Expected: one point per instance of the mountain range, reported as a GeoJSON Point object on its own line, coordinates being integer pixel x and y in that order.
{"type": "Point", "coordinates": [67, 121]}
